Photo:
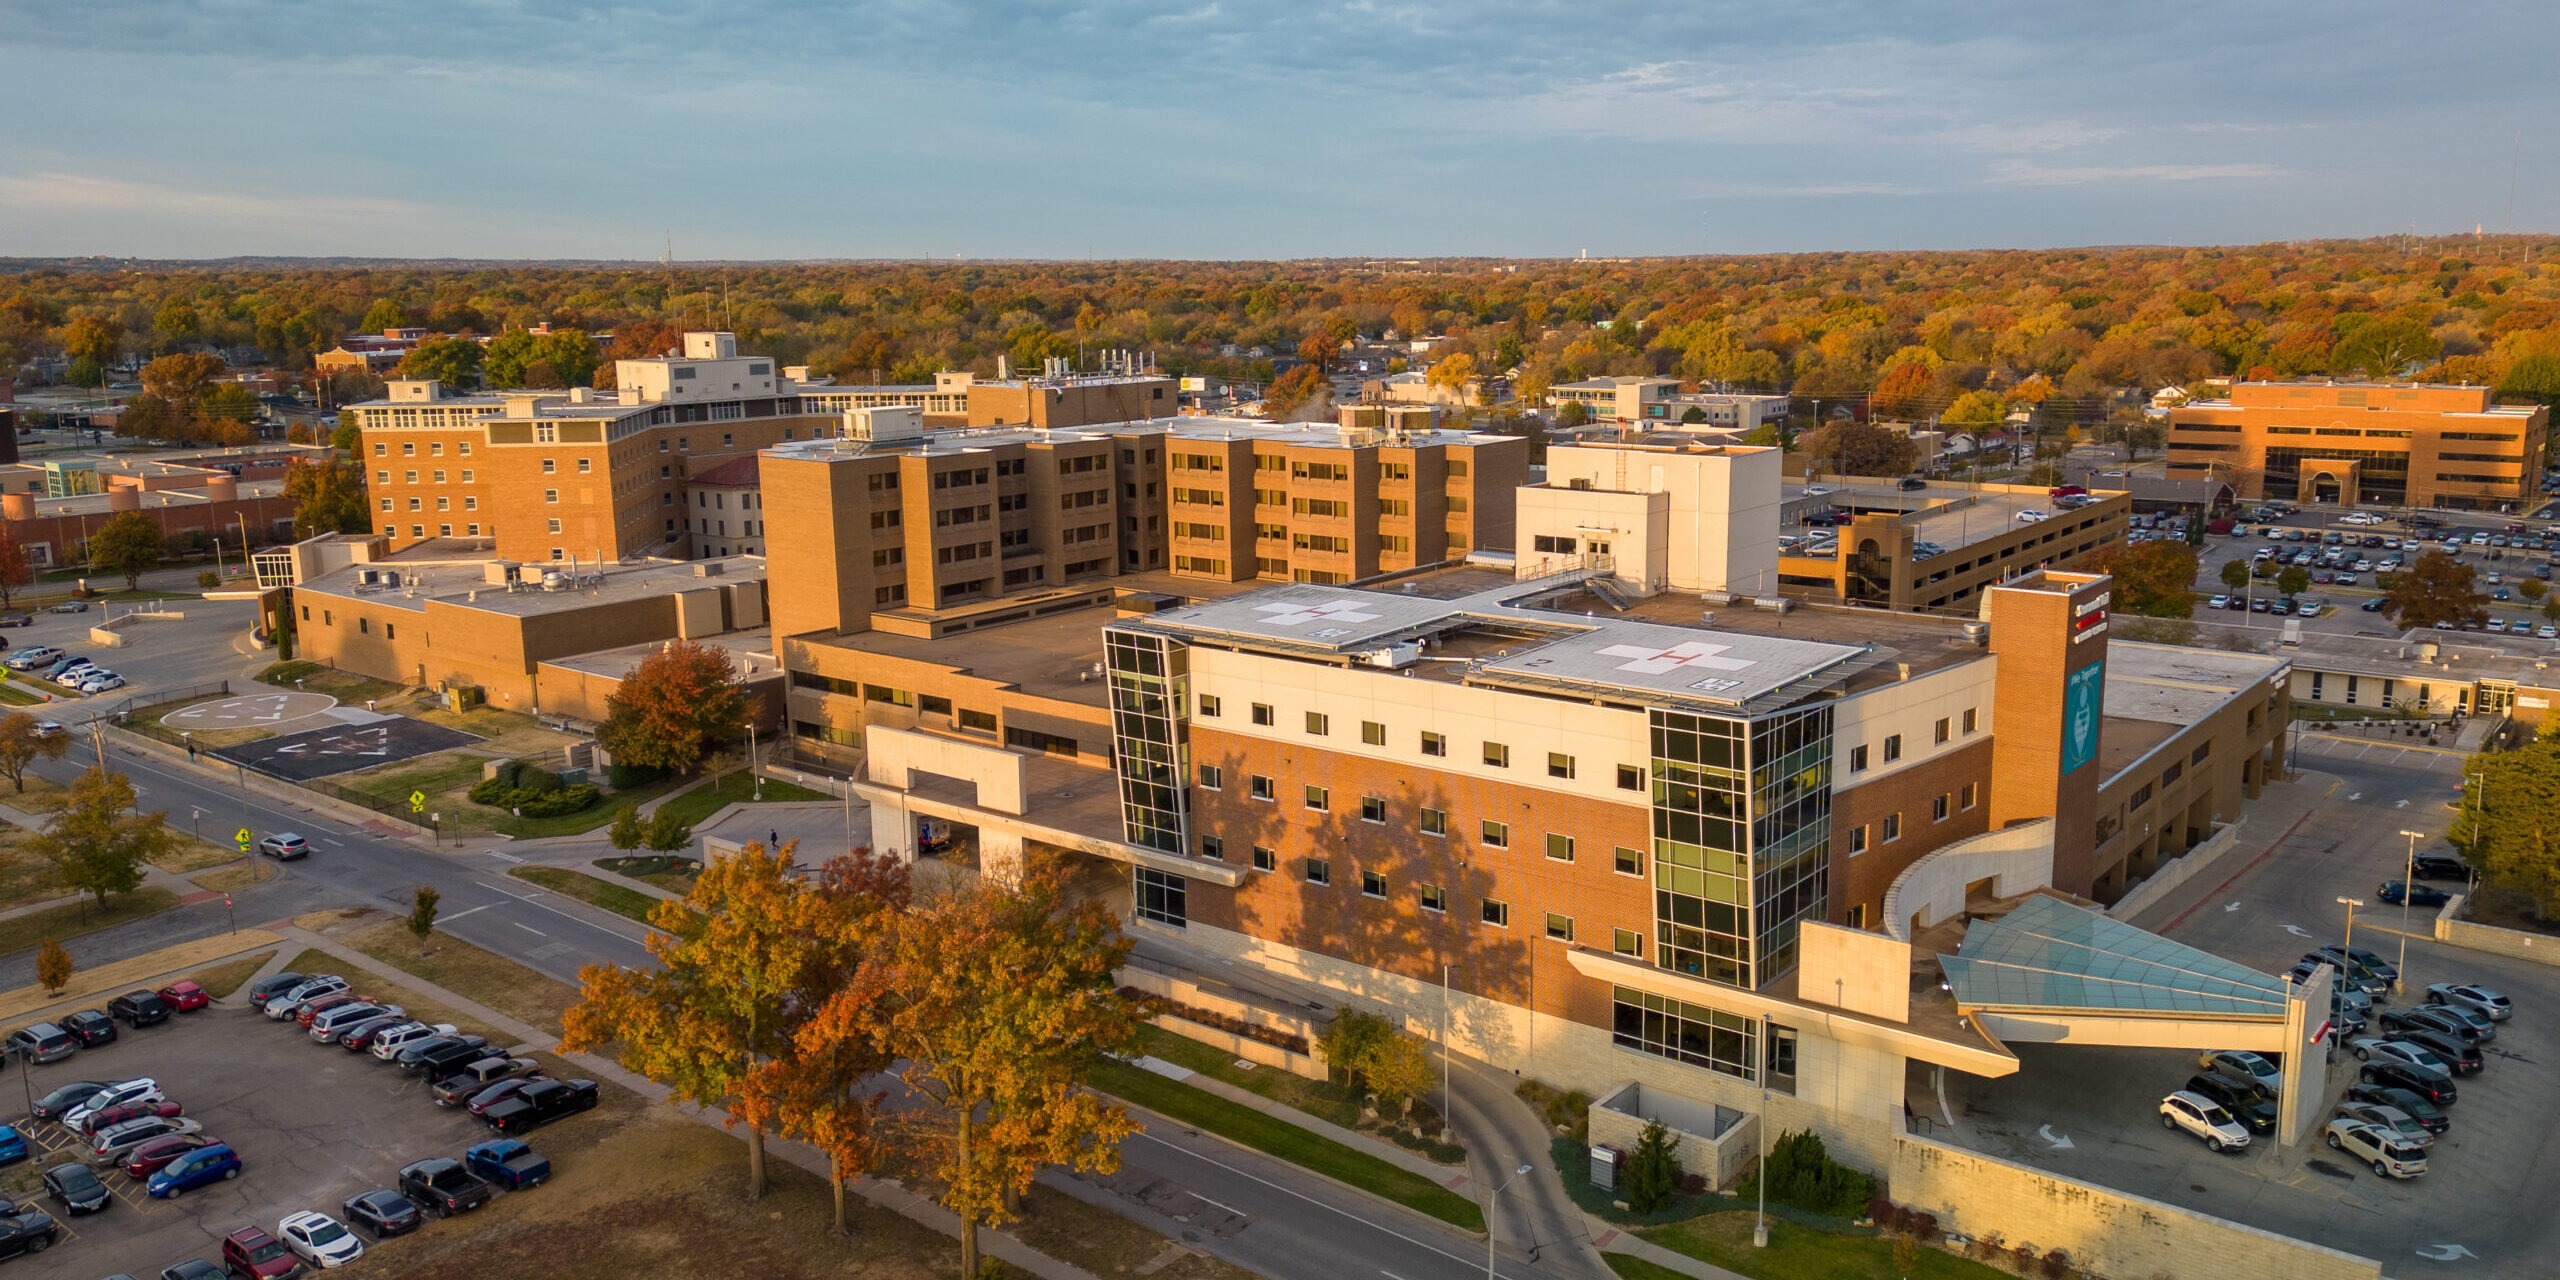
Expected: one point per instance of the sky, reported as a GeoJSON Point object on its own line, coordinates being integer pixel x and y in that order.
{"type": "Point", "coordinates": [792, 129]}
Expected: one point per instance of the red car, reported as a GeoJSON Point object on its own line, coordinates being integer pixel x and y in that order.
{"type": "Point", "coordinates": [153, 1156]}
{"type": "Point", "coordinates": [101, 1121]}
{"type": "Point", "coordinates": [314, 1008]}
{"type": "Point", "coordinates": [253, 1253]}
{"type": "Point", "coordinates": [493, 1095]}
{"type": "Point", "coordinates": [185, 997]}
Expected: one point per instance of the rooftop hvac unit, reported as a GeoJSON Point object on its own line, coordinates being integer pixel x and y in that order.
{"type": "Point", "coordinates": [1773, 604]}
{"type": "Point", "coordinates": [1978, 634]}
{"type": "Point", "coordinates": [1394, 656]}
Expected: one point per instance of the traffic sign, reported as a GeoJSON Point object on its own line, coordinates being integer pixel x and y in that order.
{"type": "Point", "coordinates": [242, 835]}
{"type": "Point", "coordinates": [417, 802]}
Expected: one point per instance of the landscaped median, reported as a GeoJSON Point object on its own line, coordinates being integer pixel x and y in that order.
{"type": "Point", "coordinates": [1276, 1137]}
{"type": "Point", "coordinates": [618, 899]}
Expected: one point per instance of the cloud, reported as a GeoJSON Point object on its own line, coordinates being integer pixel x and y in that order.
{"type": "Point", "coordinates": [1806, 191]}
{"type": "Point", "coordinates": [64, 192]}
{"type": "Point", "coordinates": [2039, 135]}
{"type": "Point", "coordinates": [2027, 173]}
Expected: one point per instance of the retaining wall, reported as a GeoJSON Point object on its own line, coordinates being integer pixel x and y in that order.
{"type": "Point", "coordinates": [2453, 930]}
{"type": "Point", "coordinates": [2172, 874]}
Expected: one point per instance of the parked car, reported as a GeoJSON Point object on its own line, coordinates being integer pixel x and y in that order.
{"type": "Point", "coordinates": [540, 1105]}
{"type": "Point", "coordinates": [359, 1038]}
{"type": "Point", "coordinates": [201, 1167]}
{"type": "Point", "coordinates": [2484, 1027]}
{"type": "Point", "coordinates": [71, 606]}
{"type": "Point", "coordinates": [2253, 1109]}
{"type": "Point", "coordinates": [2434, 1086]}
{"type": "Point", "coordinates": [383, 1213]}
{"type": "Point", "coordinates": [28, 1232]}
{"type": "Point", "coordinates": [153, 1156]}
{"type": "Point", "coordinates": [310, 1009]}
{"type": "Point", "coordinates": [2383, 1047]}
{"type": "Point", "coordinates": [139, 1009]}
{"type": "Point", "coordinates": [17, 619]}
{"type": "Point", "coordinates": [2389, 1119]}
{"type": "Point", "coordinates": [2440, 866]}
{"type": "Point", "coordinates": [493, 1095]}
{"type": "Point", "coordinates": [13, 1144]}
{"type": "Point", "coordinates": [191, 1269]}
{"type": "Point", "coordinates": [2390, 1156]}
{"type": "Point", "coordinates": [90, 1027]}
{"type": "Point", "coordinates": [252, 1254]}
{"type": "Point", "coordinates": [184, 997]}
{"type": "Point", "coordinates": [268, 988]}
{"type": "Point", "coordinates": [2246, 1067]}
{"type": "Point", "coordinates": [319, 1239]}
{"type": "Point", "coordinates": [33, 656]}
{"type": "Point", "coordinates": [284, 846]}
{"type": "Point", "coordinates": [2455, 1052]}
{"type": "Point", "coordinates": [76, 1189]}
{"type": "Point", "coordinates": [2367, 961]}
{"type": "Point", "coordinates": [327, 1027]}
{"type": "Point", "coordinates": [282, 1006]}
{"type": "Point", "coordinates": [99, 681]}
{"type": "Point", "coordinates": [2436, 1019]}
{"type": "Point", "coordinates": [444, 1187]}
{"type": "Point", "coordinates": [455, 1089]}
{"type": "Point", "coordinates": [41, 1043]}
{"type": "Point", "coordinates": [508, 1163]}
{"type": "Point", "coordinates": [2204, 1118]}
{"type": "Point", "coordinates": [2429, 1116]}
{"type": "Point", "coordinates": [2420, 895]}
{"type": "Point", "coordinates": [388, 1042]}
{"type": "Point", "coordinates": [116, 1143]}
{"type": "Point", "coordinates": [2469, 996]}
{"type": "Point", "coordinates": [140, 1089]}
{"type": "Point", "coordinates": [443, 1060]}
{"type": "Point", "coordinates": [66, 1096]}
{"type": "Point", "coordinates": [101, 1121]}
{"type": "Point", "coordinates": [2350, 976]}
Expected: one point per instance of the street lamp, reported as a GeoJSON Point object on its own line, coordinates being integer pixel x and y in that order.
{"type": "Point", "coordinates": [1492, 1204]}
{"type": "Point", "coordinates": [2350, 904]}
{"type": "Point", "coordinates": [2408, 890]}
{"type": "Point", "coordinates": [1760, 1138]}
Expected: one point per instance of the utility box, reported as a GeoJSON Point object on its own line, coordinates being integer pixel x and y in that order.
{"type": "Point", "coordinates": [1604, 1168]}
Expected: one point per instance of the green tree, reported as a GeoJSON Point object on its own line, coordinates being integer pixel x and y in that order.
{"type": "Point", "coordinates": [681, 703]}
{"type": "Point", "coordinates": [2293, 581]}
{"type": "Point", "coordinates": [2534, 378]}
{"type": "Point", "coordinates": [628, 832]}
{"type": "Point", "coordinates": [422, 912]}
{"type": "Point", "coordinates": [22, 743]}
{"type": "Point", "coordinates": [384, 315]}
{"type": "Point", "coordinates": [2529, 588]}
{"type": "Point", "coordinates": [128, 544]}
{"type": "Point", "coordinates": [2515, 839]}
{"type": "Point", "coordinates": [1574, 413]}
{"type": "Point", "coordinates": [327, 497]}
{"type": "Point", "coordinates": [1974, 410]}
{"type": "Point", "coordinates": [2235, 574]}
{"type": "Point", "coordinates": [94, 841]}
{"type": "Point", "coordinates": [2434, 588]}
{"type": "Point", "coordinates": [346, 437]}
{"type": "Point", "coordinates": [503, 361]}
{"type": "Point", "coordinates": [2387, 347]}
{"type": "Point", "coordinates": [572, 355]}
{"type": "Point", "coordinates": [668, 832]}
{"type": "Point", "coordinates": [1653, 1172]}
{"type": "Point", "coordinates": [1850, 447]}
{"type": "Point", "coordinates": [2156, 579]}
{"type": "Point", "coordinates": [453, 361]}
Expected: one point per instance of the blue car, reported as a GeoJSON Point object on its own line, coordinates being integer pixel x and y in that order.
{"type": "Point", "coordinates": [2424, 895]}
{"type": "Point", "coordinates": [203, 1166]}
{"type": "Point", "coordinates": [13, 1145]}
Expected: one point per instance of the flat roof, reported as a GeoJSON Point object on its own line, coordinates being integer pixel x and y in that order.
{"type": "Point", "coordinates": [466, 584]}
{"type": "Point", "coordinates": [2051, 956]}
{"type": "Point", "coordinates": [1683, 662]}
{"type": "Point", "coordinates": [1925, 642]}
{"type": "Point", "coordinates": [1329, 619]}
{"type": "Point", "coordinates": [2174, 685]}
{"type": "Point", "coordinates": [1952, 516]}
{"type": "Point", "coordinates": [1307, 435]}
{"type": "Point", "coordinates": [750, 654]}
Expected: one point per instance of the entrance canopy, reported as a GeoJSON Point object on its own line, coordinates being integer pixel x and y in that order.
{"type": "Point", "coordinates": [2051, 960]}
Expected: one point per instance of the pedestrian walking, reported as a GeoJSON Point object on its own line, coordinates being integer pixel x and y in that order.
{"type": "Point", "coordinates": [772, 838]}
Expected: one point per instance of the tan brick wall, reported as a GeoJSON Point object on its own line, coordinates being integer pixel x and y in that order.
{"type": "Point", "coordinates": [2105, 1231]}
{"type": "Point", "coordinates": [2406, 420]}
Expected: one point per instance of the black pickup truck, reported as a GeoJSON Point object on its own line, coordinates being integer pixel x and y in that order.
{"type": "Point", "coordinates": [444, 1187]}
{"type": "Point", "coordinates": [540, 1104]}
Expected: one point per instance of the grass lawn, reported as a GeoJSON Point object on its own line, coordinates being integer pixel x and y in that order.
{"type": "Point", "coordinates": [1798, 1252]}
{"type": "Point", "coordinates": [423, 1009]}
{"type": "Point", "coordinates": [674, 873]}
{"type": "Point", "coordinates": [587, 889]}
{"type": "Point", "coordinates": [1323, 1100]}
{"type": "Point", "coordinates": [225, 978]}
{"type": "Point", "coordinates": [448, 772]}
{"type": "Point", "coordinates": [457, 966]}
{"type": "Point", "coordinates": [311, 677]}
{"type": "Point", "coordinates": [735, 788]}
{"type": "Point", "coordinates": [24, 877]}
{"type": "Point", "coordinates": [1287, 1141]}
{"type": "Point", "coordinates": [1106, 1244]}
{"type": "Point", "coordinates": [187, 853]}
{"type": "Point", "coordinates": [41, 796]}
{"type": "Point", "coordinates": [16, 696]}
{"type": "Point", "coordinates": [18, 933]}
{"type": "Point", "coordinates": [239, 874]}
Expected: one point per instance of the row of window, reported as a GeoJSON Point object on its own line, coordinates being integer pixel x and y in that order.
{"type": "Point", "coordinates": [1942, 733]}
{"type": "Point", "coordinates": [1496, 755]}
{"type": "Point", "coordinates": [1889, 828]}
{"type": "Point", "coordinates": [1434, 898]}
{"type": "Point", "coordinates": [1490, 832]}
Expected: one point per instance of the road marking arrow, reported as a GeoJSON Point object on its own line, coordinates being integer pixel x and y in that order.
{"type": "Point", "coordinates": [2399, 804]}
{"type": "Point", "coordinates": [2355, 795]}
{"type": "Point", "coordinates": [2297, 931]}
{"type": "Point", "coordinates": [2233, 907]}
{"type": "Point", "coordinates": [2060, 1142]}
{"type": "Point", "coordinates": [2445, 1253]}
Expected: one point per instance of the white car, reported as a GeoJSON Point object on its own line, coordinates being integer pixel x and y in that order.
{"type": "Point", "coordinates": [115, 1143]}
{"type": "Point", "coordinates": [2218, 602]}
{"type": "Point", "coordinates": [2359, 517]}
{"type": "Point", "coordinates": [2205, 1118]}
{"type": "Point", "coordinates": [2031, 517]}
{"type": "Point", "coordinates": [1816, 491]}
{"type": "Point", "coordinates": [387, 1044]}
{"type": "Point", "coordinates": [2372, 1047]}
{"type": "Point", "coordinates": [70, 677]}
{"type": "Point", "coordinates": [2390, 1157]}
{"type": "Point", "coordinates": [319, 1239]}
{"type": "Point", "coordinates": [145, 1089]}
{"type": "Point", "coordinates": [99, 682]}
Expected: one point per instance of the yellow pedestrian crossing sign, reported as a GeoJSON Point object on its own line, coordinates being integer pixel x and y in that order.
{"type": "Point", "coordinates": [243, 836]}
{"type": "Point", "coordinates": [417, 802]}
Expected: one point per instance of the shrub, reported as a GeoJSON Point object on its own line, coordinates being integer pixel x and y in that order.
{"type": "Point", "coordinates": [1802, 1174]}
{"type": "Point", "coordinates": [546, 802]}
{"type": "Point", "coordinates": [491, 789]}
{"type": "Point", "coordinates": [1923, 1225]}
{"type": "Point", "coordinates": [538, 781]}
{"type": "Point", "coordinates": [208, 579]}
{"type": "Point", "coordinates": [2057, 1264]}
{"type": "Point", "coordinates": [623, 777]}
{"type": "Point", "coordinates": [1653, 1172]}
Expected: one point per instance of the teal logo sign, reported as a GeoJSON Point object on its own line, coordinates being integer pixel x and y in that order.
{"type": "Point", "coordinates": [2083, 695]}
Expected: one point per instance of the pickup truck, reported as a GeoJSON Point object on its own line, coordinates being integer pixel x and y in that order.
{"type": "Point", "coordinates": [540, 1104]}
{"type": "Point", "coordinates": [444, 1187]}
{"type": "Point", "coordinates": [455, 1089]}
{"type": "Point", "coordinates": [508, 1163]}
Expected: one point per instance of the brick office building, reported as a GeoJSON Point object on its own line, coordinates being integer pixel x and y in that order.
{"type": "Point", "coordinates": [2393, 444]}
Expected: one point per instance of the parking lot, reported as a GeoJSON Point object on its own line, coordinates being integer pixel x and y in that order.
{"type": "Point", "coordinates": [2512, 558]}
{"type": "Point", "coordinates": [156, 655]}
{"type": "Point", "coordinates": [2486, 1206]}
{"type": "Point", "coordinates": [313, 1125]}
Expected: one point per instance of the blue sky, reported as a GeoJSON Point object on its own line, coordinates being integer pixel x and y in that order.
{"type": "Point", "coordinates": [1258, 128]}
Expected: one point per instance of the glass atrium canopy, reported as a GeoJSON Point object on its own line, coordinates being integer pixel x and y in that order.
{"type": "Point", "coordinates": [2049, 956]}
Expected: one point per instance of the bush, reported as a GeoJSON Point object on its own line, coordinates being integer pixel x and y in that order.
{"type": "Point", "coordinates": [208, 580]}
{"type": "Point", "coordinates": [541, 782]}
{"type": "Point", "coordinates": [623, 777]}
{"type": "Point", "coordinates": [534, 802]}
{"type": "Point", "coordinates": [1653, 1172]}
{"type": "Point", "coordinates": [1802, 1174]}
{"type": "Point", "coordinates": [492, 789]}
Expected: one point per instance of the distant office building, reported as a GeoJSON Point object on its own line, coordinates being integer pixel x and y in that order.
{"type": "Point", "coordinates": [1621, 400]}
{"type": "Point", "coordinates": [2392, 444]}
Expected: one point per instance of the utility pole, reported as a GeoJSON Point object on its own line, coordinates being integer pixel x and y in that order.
{"type": "Point", "coordinates": [2408, 890]}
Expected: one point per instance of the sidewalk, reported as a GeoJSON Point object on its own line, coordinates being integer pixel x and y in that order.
{"type": "Point", "coordinates": [886, 1194]}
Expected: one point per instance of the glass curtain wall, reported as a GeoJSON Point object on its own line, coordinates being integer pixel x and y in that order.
{"type": "Point", "coordinates": [1742, 829]}
{"type": "Point", "coordinates": [1150, 705]}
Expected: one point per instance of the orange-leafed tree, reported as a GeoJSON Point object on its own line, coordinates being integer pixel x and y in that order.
{"type": "Point", "coordinates": [995, 1002]}
{"type": "Point", "coordinates": [717, 1007]}
{"type": "Point", "coordinates": [1903, 391]}
{"type": "Point", "coordinates": [681, 703]}
{"type": "Point", "coordinates": [16, 570]}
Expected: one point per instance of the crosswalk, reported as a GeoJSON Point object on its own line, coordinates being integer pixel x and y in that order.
{"type": "Point", "coordinates": [2423, 759]}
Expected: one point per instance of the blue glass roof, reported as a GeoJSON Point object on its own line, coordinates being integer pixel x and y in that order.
{"type": "Point", "coordinates": [2049, 955]}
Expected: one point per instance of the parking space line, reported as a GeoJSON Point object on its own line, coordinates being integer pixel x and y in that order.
{"type": "Point", "coordinates": [529, 929]}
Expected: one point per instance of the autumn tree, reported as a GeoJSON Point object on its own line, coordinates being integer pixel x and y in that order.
{"type": "Point", "coordinates": [995, 1002]}
{"type": "Point", "coordinates": [2434, 588]}
{"type": "Point", "coordinates": [2155, 579]}
{"type": "Point", "coordinates": [129, 545]}
{"type": "Point", "coordinates": [2235, 574]}
{"type": "Point", "coordinates": [1456, 375]}
{"type": "Point", "coordinates": [453, 361]}
{"type": "Point", "coordinates": [718, 1003]}
{"type": "Point", "coordinates": [1850, 447]}
{"type": "Point", "coordinates": [22, 743]}
{"type": "Point", "coordinates": [1902, 392]}
{"type": "Point", "coordinates": [382, 317]}
{"type": "Point", "coordinates": [1974, 410]}
{"type": "Point", "coordinates": [2387, 347]}
{"type": "Point", "coordinates": [2514, 837]}
{"type": "Point", "coordinates": [1293, 391]}
{"type": "Point", "coordinates": [16, 570]}
{"type": "Point", "coordinates": [1319, 349]}
{"type": "Point", "coordinates": [327, 497]}
{"type": "Point", "coordinates": [95, 842]}
{"type": "Point", "coordinates": [2292, 580]}
{"type": "Point", "coordinates": [53, 967]}
{"type": "Point", "coordinates": [682, 702]}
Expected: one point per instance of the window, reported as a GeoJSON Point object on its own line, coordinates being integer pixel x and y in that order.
{"type": "Point", "coordinates": [1559, 847]}
{"type": "Point", "coordinates": [1373, 733]}
{"type": "Point", "coordinates": [1319, 724]}
{"type": "Point", "coordinates": [1319, 799]}
{"type": "Point", "coordinates": [1434, 898]}
{"type": "Point", "coordinates": [1262, 713]}
{"type": "Point", "coordinates": [1372, 885]}
{"type": "Point", "coordinates": [1497, 755]}
{"type": "Point", "coordinates": [1435, 822]}
{"type": "Point", "coordinates": [1559, 765]}
{"type": "Point", "coordinates": [1208, 704]}
{"type": "Point", "coordinates": [1945, 730]}
{"type": "Point", "coordinates": [1858, 758]}
{"type": "Point", "coordinates": [1373, 808]}
{"type": "Point", "coordinates": [1434, 745]}
{"type": "Point", "coordinates": [1972, 792]}
{"type": "Point", "coordinates": [550, 466]}
{"type": "Point", "coordinates": [1259, 787]}
{"type": "Point", "coordinates": [1857, 839]}
{"type": "Point", "coordinates": [1893, 748]}
{"type": "Point", "coordinates": [1265, 858]}
{"type": "Point", "coordinates": [1212, 847]}
{"type": "Point", "coordinates": [1938, 808]}
{"type": "Point", "coordinates": [1560, 928]}
{"type": "Point", "coordinates": [1213, 778]}
{"type": "Point", "coordinates": [1496, 913]}
{"type": "Point", "coordinates": [1629, 862]}
{"type": "Point", "coordinates": [1892, 827]}
{"type": "Point", "coordinates": [1630, 778]}
{"type": "Point", "coordinates": [1626, 942]}
{"type": "Point", "coordinates": [1495, 834]}
{"type": "Point", "coordinates": [1683, 1032]}
{"type": "Point", "coordinates": [1161, 897]}
{"type": "Point", "coordinates": [586, 466]}
{"type": "Point", "coordinates": [1319, 871]}
{"type": "Point", "coordinates": [1972, 719]}
{"type": "Point", "coordinates": [551, 495]}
